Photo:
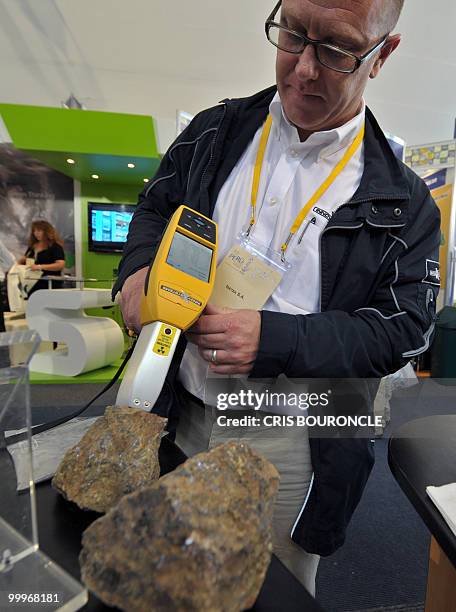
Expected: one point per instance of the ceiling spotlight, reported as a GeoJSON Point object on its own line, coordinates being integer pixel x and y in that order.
{"type": "Point", "coordinates": [146, 180]}
{"type": "Point", "coordinates": [95, 176]}
{"type": "Point", "coordinates": [131, 165]}
{"type": "Point", "coordinates": [70, 161]}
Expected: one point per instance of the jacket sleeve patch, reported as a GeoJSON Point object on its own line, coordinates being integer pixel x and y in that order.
{"type": "Point", "coordinates": [432, 273]}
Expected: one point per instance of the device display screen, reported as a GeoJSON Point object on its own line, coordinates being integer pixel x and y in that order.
{"type": "Point", "coordinates": [190, 256]}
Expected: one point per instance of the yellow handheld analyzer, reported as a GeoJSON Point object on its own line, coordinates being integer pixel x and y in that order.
{"type": "Point", "coordinates": [178, 286]}
{"type": "Point", "coordinates": [181, 279]}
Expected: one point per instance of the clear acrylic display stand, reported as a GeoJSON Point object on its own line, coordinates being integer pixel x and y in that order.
{"type": "Point", "coordinates": [27, 576]}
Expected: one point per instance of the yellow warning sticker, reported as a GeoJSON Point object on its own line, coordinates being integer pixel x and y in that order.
{"type": "Point", "coordinates": [164, 340]}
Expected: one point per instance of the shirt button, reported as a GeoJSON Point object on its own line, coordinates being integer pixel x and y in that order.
{"type": "Point", "coordinates": [273, 201]}
{"type": "Point", "coordinates": [293, 153]}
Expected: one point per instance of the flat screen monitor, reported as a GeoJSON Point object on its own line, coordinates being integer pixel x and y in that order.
{"type": "Point", "coordinates": [108, 226]}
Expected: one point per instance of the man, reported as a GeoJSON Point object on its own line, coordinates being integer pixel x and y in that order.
{"type": "Point", "coordinates": [357, 302]}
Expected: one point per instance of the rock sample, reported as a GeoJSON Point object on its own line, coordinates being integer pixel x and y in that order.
{"type": "Point", "coordinates": [116, 456]}
{"type": "Point", "coordinates": [197, 540]}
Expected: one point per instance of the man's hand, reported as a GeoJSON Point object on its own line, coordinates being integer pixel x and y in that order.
{"type": "Point", "coordinates": [235, 334]}
{"type": "Point", "coordinates": [130, 299]}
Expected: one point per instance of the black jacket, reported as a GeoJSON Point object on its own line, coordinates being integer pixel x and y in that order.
{"type": "Point", "coordinates": [379, 255]}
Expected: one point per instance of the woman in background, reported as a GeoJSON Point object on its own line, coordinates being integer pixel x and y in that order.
{"type": "Point", "coordinates": [45, 247]}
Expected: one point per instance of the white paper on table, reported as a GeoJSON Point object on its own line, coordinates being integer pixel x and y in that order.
{"type": "Point", "coordinates": [444, 498]}
{"type": "Point", "coordinates": [48, 450]}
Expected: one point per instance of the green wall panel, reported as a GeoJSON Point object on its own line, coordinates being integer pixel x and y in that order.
{"type": "Point", "coordinates": [102, 265]}
{"type": "Point", "coordinates": [98, 143]}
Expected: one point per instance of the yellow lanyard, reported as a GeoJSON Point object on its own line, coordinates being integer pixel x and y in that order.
{"type": "Point", "coordinates": [318, 193]}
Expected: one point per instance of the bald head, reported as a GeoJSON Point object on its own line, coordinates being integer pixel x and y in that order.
{"type": "Point", "coordinates": [389, 13]}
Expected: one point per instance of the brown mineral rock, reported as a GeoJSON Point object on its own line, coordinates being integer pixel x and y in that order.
{"type": "Point", "coordinates": [116, 456]}
{"type": "Point", "coordinates": [198, 540]}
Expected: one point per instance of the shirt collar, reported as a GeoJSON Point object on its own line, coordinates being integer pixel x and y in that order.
{"type": "Point", "coordinates": [321, 145]}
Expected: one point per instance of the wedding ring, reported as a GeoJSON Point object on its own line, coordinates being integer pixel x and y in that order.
{"type": "Point", "coordinates": [214, 356]}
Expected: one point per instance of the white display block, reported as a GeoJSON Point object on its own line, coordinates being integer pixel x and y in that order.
{"type": "Point", "coordinates": [58, 315]}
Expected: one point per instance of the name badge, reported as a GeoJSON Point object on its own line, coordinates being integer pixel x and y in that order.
{"type": "Point", "coordinates": [248, 275]}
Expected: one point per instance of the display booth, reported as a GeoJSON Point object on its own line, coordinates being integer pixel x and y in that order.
{"type": "Point", "coordinates": [82, 171]}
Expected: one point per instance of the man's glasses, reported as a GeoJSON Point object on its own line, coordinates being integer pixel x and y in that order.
{"type": "Point", "coordinates": [328, 55]}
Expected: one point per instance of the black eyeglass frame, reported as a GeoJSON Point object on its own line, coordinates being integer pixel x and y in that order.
{"type": "Point", "coordinates": [317, 43]}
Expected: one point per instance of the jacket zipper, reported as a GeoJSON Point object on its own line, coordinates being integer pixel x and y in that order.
{"type": "Point", "coordinates": [351, 227]}
{"type": "Point", "coordinates": [298, 518]}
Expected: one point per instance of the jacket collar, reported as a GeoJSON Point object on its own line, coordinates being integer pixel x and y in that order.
{"type": "Point", "coordinates": [384, 175]}
{"type": "Point", "coordinates": [383, 196]}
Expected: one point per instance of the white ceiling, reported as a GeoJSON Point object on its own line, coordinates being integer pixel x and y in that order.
{"type": "Point", "coordinates": [154, 57]}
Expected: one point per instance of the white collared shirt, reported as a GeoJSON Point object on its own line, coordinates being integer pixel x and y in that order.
{"type": "Point", "coordinates": [291, 173]}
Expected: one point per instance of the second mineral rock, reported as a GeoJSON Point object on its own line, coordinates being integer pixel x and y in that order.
{"type": "Point", "coordinates": [197, 540]}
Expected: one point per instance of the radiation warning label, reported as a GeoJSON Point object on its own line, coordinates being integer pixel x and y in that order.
{"type": "Point", "coordinates": [165, 339]}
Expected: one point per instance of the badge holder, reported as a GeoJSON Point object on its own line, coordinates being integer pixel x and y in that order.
{"type": "Point", "coordinates": [248, 275]}
{"type": "Point", "coordinates": [27, 576]}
